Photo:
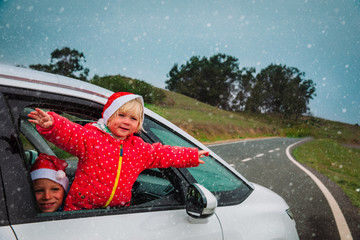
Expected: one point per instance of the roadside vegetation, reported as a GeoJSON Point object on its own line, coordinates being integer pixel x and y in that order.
{"type": "Point", "coordinates": [340, 164]}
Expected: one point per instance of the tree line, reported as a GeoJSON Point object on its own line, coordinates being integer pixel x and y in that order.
{"type": "Point", "coordinates": [218, 81]}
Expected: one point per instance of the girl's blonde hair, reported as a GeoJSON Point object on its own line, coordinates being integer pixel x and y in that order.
{"type": "Point", "coordinates": [133, 107]}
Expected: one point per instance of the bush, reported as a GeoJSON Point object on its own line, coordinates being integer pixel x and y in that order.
{"type": "Point", "coordinates": [119, 83]}
{"type": "Point", "coordinates": [297, 132]}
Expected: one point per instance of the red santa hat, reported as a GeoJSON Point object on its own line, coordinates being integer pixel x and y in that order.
{"type": "Point", "coordinates": [50, 167]}
{"type": "Point", "coordinates": [117, 100]}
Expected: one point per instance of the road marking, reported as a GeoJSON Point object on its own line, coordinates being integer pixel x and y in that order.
{"type": "Point", "coordinates": [340, 220]}
{"type": "Point", "coordinates": [246, 159]}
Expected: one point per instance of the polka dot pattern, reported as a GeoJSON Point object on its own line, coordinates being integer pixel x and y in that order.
{"type": "Point", "coordinates": [98, 155]}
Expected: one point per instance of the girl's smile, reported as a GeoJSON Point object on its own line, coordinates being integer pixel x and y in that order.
{"type": "Point", "coordinates": [123, 125]}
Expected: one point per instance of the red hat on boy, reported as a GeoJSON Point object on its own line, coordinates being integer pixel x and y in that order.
{"type": "Point", "coordinates": [117, 100]}
{"type": "Point", "coordinates": [50, 167]}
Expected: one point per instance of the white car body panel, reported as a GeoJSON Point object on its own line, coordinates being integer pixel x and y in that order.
{"type": "Point", "coordinates": [6, 233]}
{"type": "Point", "coordinates": [155, 226]}
{"type": "Point", "coordinates": [255, 212]}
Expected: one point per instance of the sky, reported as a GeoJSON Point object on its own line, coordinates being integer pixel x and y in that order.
{"type": "Point", "coordinates": [143, 39]}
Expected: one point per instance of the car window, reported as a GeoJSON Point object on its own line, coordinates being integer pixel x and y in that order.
{"type": "Point", "coordinates": [151, 184]}
{"type": "Point", "coordinates": [212, 175]}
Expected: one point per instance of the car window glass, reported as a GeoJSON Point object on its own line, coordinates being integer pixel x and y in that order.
{"type": "Point", "coordinates": [151, 185]}
{"type": "Point", "coordinates": [212, 175]}
{"type": "Point", "coordinates": [38, 143]}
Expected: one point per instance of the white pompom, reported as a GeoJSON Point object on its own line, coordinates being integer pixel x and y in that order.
{"type": "Point", "coordinates": [60, 174]}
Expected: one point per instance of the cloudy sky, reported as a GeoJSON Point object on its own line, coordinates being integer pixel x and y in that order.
{"type": "Point", "coordinates": [143, 39]}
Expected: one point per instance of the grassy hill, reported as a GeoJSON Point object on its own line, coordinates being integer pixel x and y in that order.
{"type": "Point", "coordinates": [209, 124]}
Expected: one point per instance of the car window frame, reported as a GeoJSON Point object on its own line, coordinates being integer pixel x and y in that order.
{"type": "Point", "coordinates": [29, 98]}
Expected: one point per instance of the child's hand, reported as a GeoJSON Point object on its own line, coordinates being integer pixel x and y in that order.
{"type": "Point", "coordinates": [41, 118]}
{"type": "Point", "coordinates": [202, 153]}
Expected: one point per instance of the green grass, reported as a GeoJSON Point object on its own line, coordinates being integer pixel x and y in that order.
{"type": "Point", "coordinates": [339, 163]}
{"type": "Point", "coordinates": [208, 123]}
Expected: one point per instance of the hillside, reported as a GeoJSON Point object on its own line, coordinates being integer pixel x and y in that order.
{"type": "Point", "coordinates": [209, 124]}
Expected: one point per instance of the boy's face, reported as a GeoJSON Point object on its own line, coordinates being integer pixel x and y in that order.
{"type": "Point", "coordinates": [123, 125]}
{"type": "Point", "coordinates": [49, 194]}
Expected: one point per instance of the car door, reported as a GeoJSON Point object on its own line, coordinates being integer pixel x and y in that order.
{"type": "Point", "coordinates": [158, 210]}
{"type": "Point", "coordinates": [5, 229]}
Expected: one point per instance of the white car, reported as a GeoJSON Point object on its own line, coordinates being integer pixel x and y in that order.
{"type": "Point", "coordinates": [212, 201]}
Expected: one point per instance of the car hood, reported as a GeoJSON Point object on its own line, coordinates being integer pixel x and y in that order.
{"type": "Point", "coordinates": [261, 216]}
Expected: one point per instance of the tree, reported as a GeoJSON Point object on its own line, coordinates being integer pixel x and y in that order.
{"type": "Point", "coordinates": [118, 83]}
{"type": "Point", "coordinates": [65, 62]}
{"type": "Point", "coordinates": [241, 89]}
{"type": "Point", "coordinates": [209, 80]}
{"type": "Point", "coordinates": [280, 89]}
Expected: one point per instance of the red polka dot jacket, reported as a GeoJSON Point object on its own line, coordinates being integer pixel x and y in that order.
{"type": "Point", "coordinates": [97, 182]}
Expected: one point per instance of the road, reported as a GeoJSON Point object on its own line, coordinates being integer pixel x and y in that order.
{"type": "Point", "coordinates": [265, 162]}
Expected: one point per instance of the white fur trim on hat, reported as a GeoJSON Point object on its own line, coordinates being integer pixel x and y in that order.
{"type": "Point", "coordinates": [56, 176]}
{"type": "Point", "coordinates": [117, 103]}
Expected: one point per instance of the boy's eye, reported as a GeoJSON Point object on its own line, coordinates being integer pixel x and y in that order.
{"type": "Point", "coordinates": [55, 189]}
{"type": "Point", "coordinates": [134, 118]}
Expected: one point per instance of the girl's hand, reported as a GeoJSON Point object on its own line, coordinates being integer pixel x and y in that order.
{"type": "Point", "coordinates": [41, 118]}
{"type": "Point", "coordinates": [202, 153]}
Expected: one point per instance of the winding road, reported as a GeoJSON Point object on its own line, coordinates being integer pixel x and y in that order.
{"type": "Point", "coordinates": [268, 162]}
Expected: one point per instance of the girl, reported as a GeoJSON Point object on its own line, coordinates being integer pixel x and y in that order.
{"type": "Point", "coordinates": [49, 181]}
{"type": "Point", "coordinates": [110, 156]}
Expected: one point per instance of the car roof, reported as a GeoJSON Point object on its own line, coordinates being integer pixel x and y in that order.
{"type": "Point", "coordinates": [47, 82]}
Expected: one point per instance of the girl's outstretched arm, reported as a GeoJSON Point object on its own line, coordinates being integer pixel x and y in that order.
{"type": "Point", "coordinates": [41, 118]}
{"type": "Point", "coordinates": [202, 153]}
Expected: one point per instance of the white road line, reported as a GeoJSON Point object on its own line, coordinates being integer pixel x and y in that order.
{"type": "Point", "coordinates": [273, 150]}
{"type": "Point", "coordinates": [340, 220]}
{"type": "Point", "coordinates": [246, 159]}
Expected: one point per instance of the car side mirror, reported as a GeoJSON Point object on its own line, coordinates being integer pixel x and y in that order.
{"type": "Point", "coordinates": [200, 202]}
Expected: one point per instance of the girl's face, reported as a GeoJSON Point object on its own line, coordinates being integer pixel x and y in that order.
{"type": "Point", "coordinates": [123, 125]}
{"type": "Point", "coordinates": [49, 194]}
